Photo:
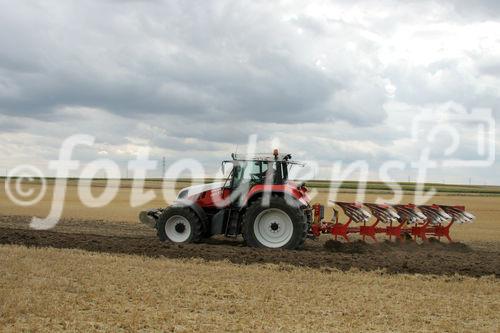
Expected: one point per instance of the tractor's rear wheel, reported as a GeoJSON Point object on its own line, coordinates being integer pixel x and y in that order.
{"type": "Point", "coordinates": [277, 225]}
{"type": "Point", "coordinates": [179, 225]}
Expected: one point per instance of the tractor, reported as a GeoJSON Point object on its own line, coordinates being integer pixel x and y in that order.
{"type": "Point", "coordinates": [256, 200]}
{"type": "Point", "coordinates": [259, 201]}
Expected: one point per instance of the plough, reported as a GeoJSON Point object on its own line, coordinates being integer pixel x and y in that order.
{"type": "Point", "coordinates": [395, 221]}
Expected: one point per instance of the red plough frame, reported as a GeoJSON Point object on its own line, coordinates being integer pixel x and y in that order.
{"type": "Point", "coordinates": [400, 221]}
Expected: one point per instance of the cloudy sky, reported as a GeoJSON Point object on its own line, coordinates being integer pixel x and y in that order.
{"type": "Point", "coordinates": [325, 80]}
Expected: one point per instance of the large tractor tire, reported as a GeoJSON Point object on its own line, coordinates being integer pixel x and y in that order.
{"type": "Point", "coordinates": [278, 225]}
{"type": "Point", "coordinates": [179, 225]}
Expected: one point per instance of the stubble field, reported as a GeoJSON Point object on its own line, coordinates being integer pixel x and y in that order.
{"type": "Point", "coordinates": [99, 270]}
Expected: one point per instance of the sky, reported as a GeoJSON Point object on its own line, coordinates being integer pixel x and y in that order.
{"type": "Point", "coordinates": [328, 81]}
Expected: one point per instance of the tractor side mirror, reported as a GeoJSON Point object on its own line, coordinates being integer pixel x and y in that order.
{"type": "Point", "coordinates": [223, 168]}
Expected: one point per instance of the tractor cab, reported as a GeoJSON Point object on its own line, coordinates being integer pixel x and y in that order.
{"type": "Point", "coordinates": [258, 169]}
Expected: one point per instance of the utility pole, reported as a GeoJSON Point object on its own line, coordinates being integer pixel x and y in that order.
{"type": "Point", "coordinates": [163, 167]}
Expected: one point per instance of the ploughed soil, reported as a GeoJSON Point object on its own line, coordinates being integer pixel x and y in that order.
{"type": "Point", "coordinates": [125, 238]}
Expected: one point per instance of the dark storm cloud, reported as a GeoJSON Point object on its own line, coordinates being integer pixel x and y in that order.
{"type": "Point", "coordinates": [181, 61]}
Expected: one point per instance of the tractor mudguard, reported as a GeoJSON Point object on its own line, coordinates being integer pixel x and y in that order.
{"type": "Point", "coordinates": [298, 202]}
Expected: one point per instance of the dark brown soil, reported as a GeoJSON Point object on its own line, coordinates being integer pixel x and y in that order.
{"type": "Point", "coordinates": [384, 246]}
{"type": "Point", "coordinates": [111, 237]}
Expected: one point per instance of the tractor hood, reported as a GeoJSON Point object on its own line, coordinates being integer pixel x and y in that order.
{"type": "Point", "coordinates": [198, 189]}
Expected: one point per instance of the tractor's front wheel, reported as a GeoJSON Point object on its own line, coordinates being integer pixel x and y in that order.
{"type": "Point", "coordinates": [277, 225]}
{"type": "Point", "coordinates": [179, 225]}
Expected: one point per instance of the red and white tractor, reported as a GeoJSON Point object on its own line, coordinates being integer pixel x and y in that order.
{"type": "Point", "coordinates": [257, 200]}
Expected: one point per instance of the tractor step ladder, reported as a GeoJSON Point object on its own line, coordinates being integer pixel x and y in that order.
{"type": "Point", "coordinates": [231, 222]}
